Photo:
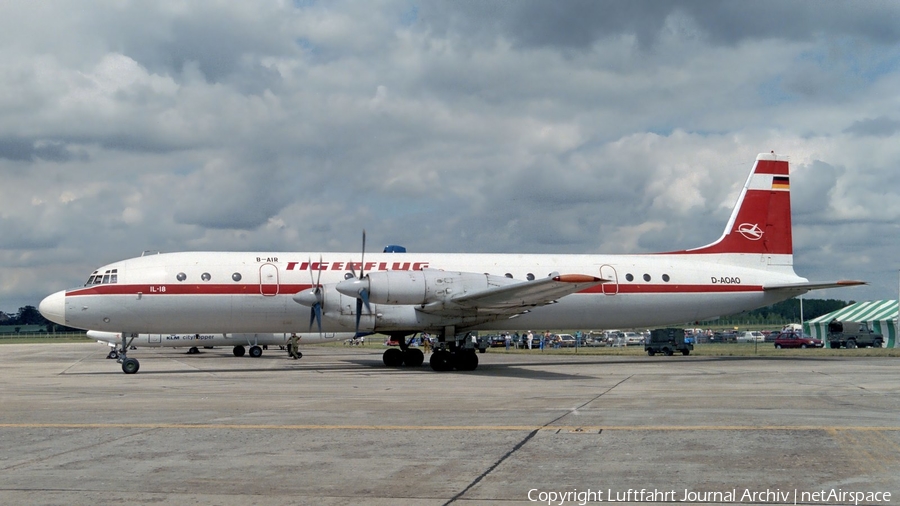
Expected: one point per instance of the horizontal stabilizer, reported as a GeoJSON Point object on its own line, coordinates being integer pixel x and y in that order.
{"type": "Point", "coordinates": [805, 287]}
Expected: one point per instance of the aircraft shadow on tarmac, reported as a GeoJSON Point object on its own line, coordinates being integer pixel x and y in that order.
{"type": "Point", "coordinates": [374, 364]}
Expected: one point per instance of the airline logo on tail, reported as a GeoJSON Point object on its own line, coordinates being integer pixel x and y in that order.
{"type": "Point", "coordinates": [751, 232]}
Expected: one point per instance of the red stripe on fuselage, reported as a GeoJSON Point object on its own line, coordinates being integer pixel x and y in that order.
{"type": "Point", "coordinates": [123, 289]}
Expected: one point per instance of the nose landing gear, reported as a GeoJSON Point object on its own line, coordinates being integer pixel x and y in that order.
{"type": "Point", "coordinates": [129, 365]}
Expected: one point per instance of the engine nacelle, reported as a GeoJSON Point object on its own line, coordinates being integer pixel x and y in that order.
{"type": "Point", "coordinates": [419, 287]}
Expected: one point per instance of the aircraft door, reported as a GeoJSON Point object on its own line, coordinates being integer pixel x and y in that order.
{"type": "Point", "coordinates": [609, 272]}
{"type": "Point", "coordinates": [268, 280]}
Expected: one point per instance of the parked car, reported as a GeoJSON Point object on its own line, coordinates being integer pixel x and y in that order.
{"type": "Point", "coordinates": [595, 341]}
{"type": "Point", "coordinates": [751, 337]}
{"type": "Point", "coordinates": [564, 340]}
{"type": "Point", "coordinates": [793, 339]}
{"type": "Point", "coordinates": [723, 337]}
{"type": "Point", "coordinates": [633, 338]}
{"type": "Point", "coordinates": [498, 341]}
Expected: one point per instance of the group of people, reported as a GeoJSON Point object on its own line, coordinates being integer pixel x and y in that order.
{"type": "Point", "coordinates": [513, 341]}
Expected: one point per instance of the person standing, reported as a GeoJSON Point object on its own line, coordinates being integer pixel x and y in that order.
{"type": "Point", "coordinates": [293, 346]}
{"type": "Point", "coordinates": [506, 340]}
{"type": "Point", "coordinates": [529, 338]}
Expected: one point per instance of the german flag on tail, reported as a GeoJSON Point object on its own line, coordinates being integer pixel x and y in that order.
{"type": "Point", "coordinates": [781, 183]}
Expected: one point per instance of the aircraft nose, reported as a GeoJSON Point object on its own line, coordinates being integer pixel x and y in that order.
{"type": "Point", "coordinates": [53, 307]}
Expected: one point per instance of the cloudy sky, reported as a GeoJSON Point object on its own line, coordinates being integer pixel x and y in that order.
{"type": "Point", "coordinates": [464, 126]}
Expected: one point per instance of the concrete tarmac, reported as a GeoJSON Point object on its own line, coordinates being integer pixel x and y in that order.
{"type": "Point", "coordinates": [337, 427]}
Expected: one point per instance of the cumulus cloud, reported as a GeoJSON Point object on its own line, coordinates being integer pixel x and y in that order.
{"type": "Point", "coordinates": [881, 126]}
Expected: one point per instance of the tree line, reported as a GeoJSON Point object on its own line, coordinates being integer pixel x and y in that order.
{"type": "Point", "coordinates": [787, 311]}
{"type": "Point", "coordinates": [27, 315]}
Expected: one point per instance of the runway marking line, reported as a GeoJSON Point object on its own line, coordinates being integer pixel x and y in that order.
{"type": "Point", "coordinates": [570, 428]}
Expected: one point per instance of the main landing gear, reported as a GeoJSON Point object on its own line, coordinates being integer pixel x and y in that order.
{"type": "Point", "coordinates": [447, 357]}
{"type": "Point", "coordinates": [411, 357]}
{"type": "Point", "coordinates": [447, 360]}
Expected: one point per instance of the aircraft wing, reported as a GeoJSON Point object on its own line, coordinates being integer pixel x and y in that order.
{"type": "Point", "coordinates": [515, 298]}
{"type": "Point", "coordinates": [805, 287]}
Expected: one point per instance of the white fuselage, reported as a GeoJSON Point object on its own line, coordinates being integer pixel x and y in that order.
{"type": "Point", "coordinates": [228, 292]}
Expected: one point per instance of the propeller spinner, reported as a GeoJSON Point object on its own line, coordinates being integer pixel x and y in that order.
{"type": "Point", "coordinates": [313, 297]}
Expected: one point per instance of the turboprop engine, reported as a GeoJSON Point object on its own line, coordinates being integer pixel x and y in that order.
{"type": "Point", "coordinates": [418, 287]}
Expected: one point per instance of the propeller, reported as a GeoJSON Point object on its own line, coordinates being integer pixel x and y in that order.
{"type": "Point", "coordinates": [362, 283]}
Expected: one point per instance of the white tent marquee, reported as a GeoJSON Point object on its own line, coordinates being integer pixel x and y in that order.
{"type": "Point", "coordinates": [881, 315]}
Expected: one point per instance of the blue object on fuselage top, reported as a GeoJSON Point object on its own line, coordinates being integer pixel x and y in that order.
{"type": "Point", "coordinates": [393, 248]}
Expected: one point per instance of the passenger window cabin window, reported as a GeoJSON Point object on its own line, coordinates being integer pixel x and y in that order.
{"type": "Point", "coordinates": [629, 277]}
{"type": "Point", "coordinates": [646, 277]}
{"type": "Point", "coordinates": [205, 276]}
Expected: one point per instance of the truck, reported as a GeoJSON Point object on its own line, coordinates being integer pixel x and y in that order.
{"type": "Point", "coordinates": [853, 335]}
{"type": "Point", "coordinates": [667, 341]}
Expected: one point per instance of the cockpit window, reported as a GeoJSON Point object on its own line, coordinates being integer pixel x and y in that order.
{"type": "Point", "coordinates": [109, 277]}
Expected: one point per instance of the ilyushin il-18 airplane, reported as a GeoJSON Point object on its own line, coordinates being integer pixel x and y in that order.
{"type": "Point", "coordinates": [251, 344]}
{"type": "Point", "coordinates": [449, 294]}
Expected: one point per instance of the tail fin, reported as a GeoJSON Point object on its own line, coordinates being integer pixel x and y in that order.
{"type": "Point", "coordinates": [761, 220]}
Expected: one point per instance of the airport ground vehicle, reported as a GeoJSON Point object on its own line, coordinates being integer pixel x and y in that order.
{"type": "Point", "coordinates": [794, 339]}
{"type": "Point", "coordinates": [853, 335]}
{"type": "Point", "coordinates": [667, 341]}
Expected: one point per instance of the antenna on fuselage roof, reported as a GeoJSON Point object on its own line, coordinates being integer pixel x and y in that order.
{"type": "Point", "coordinates": [146, 251]}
